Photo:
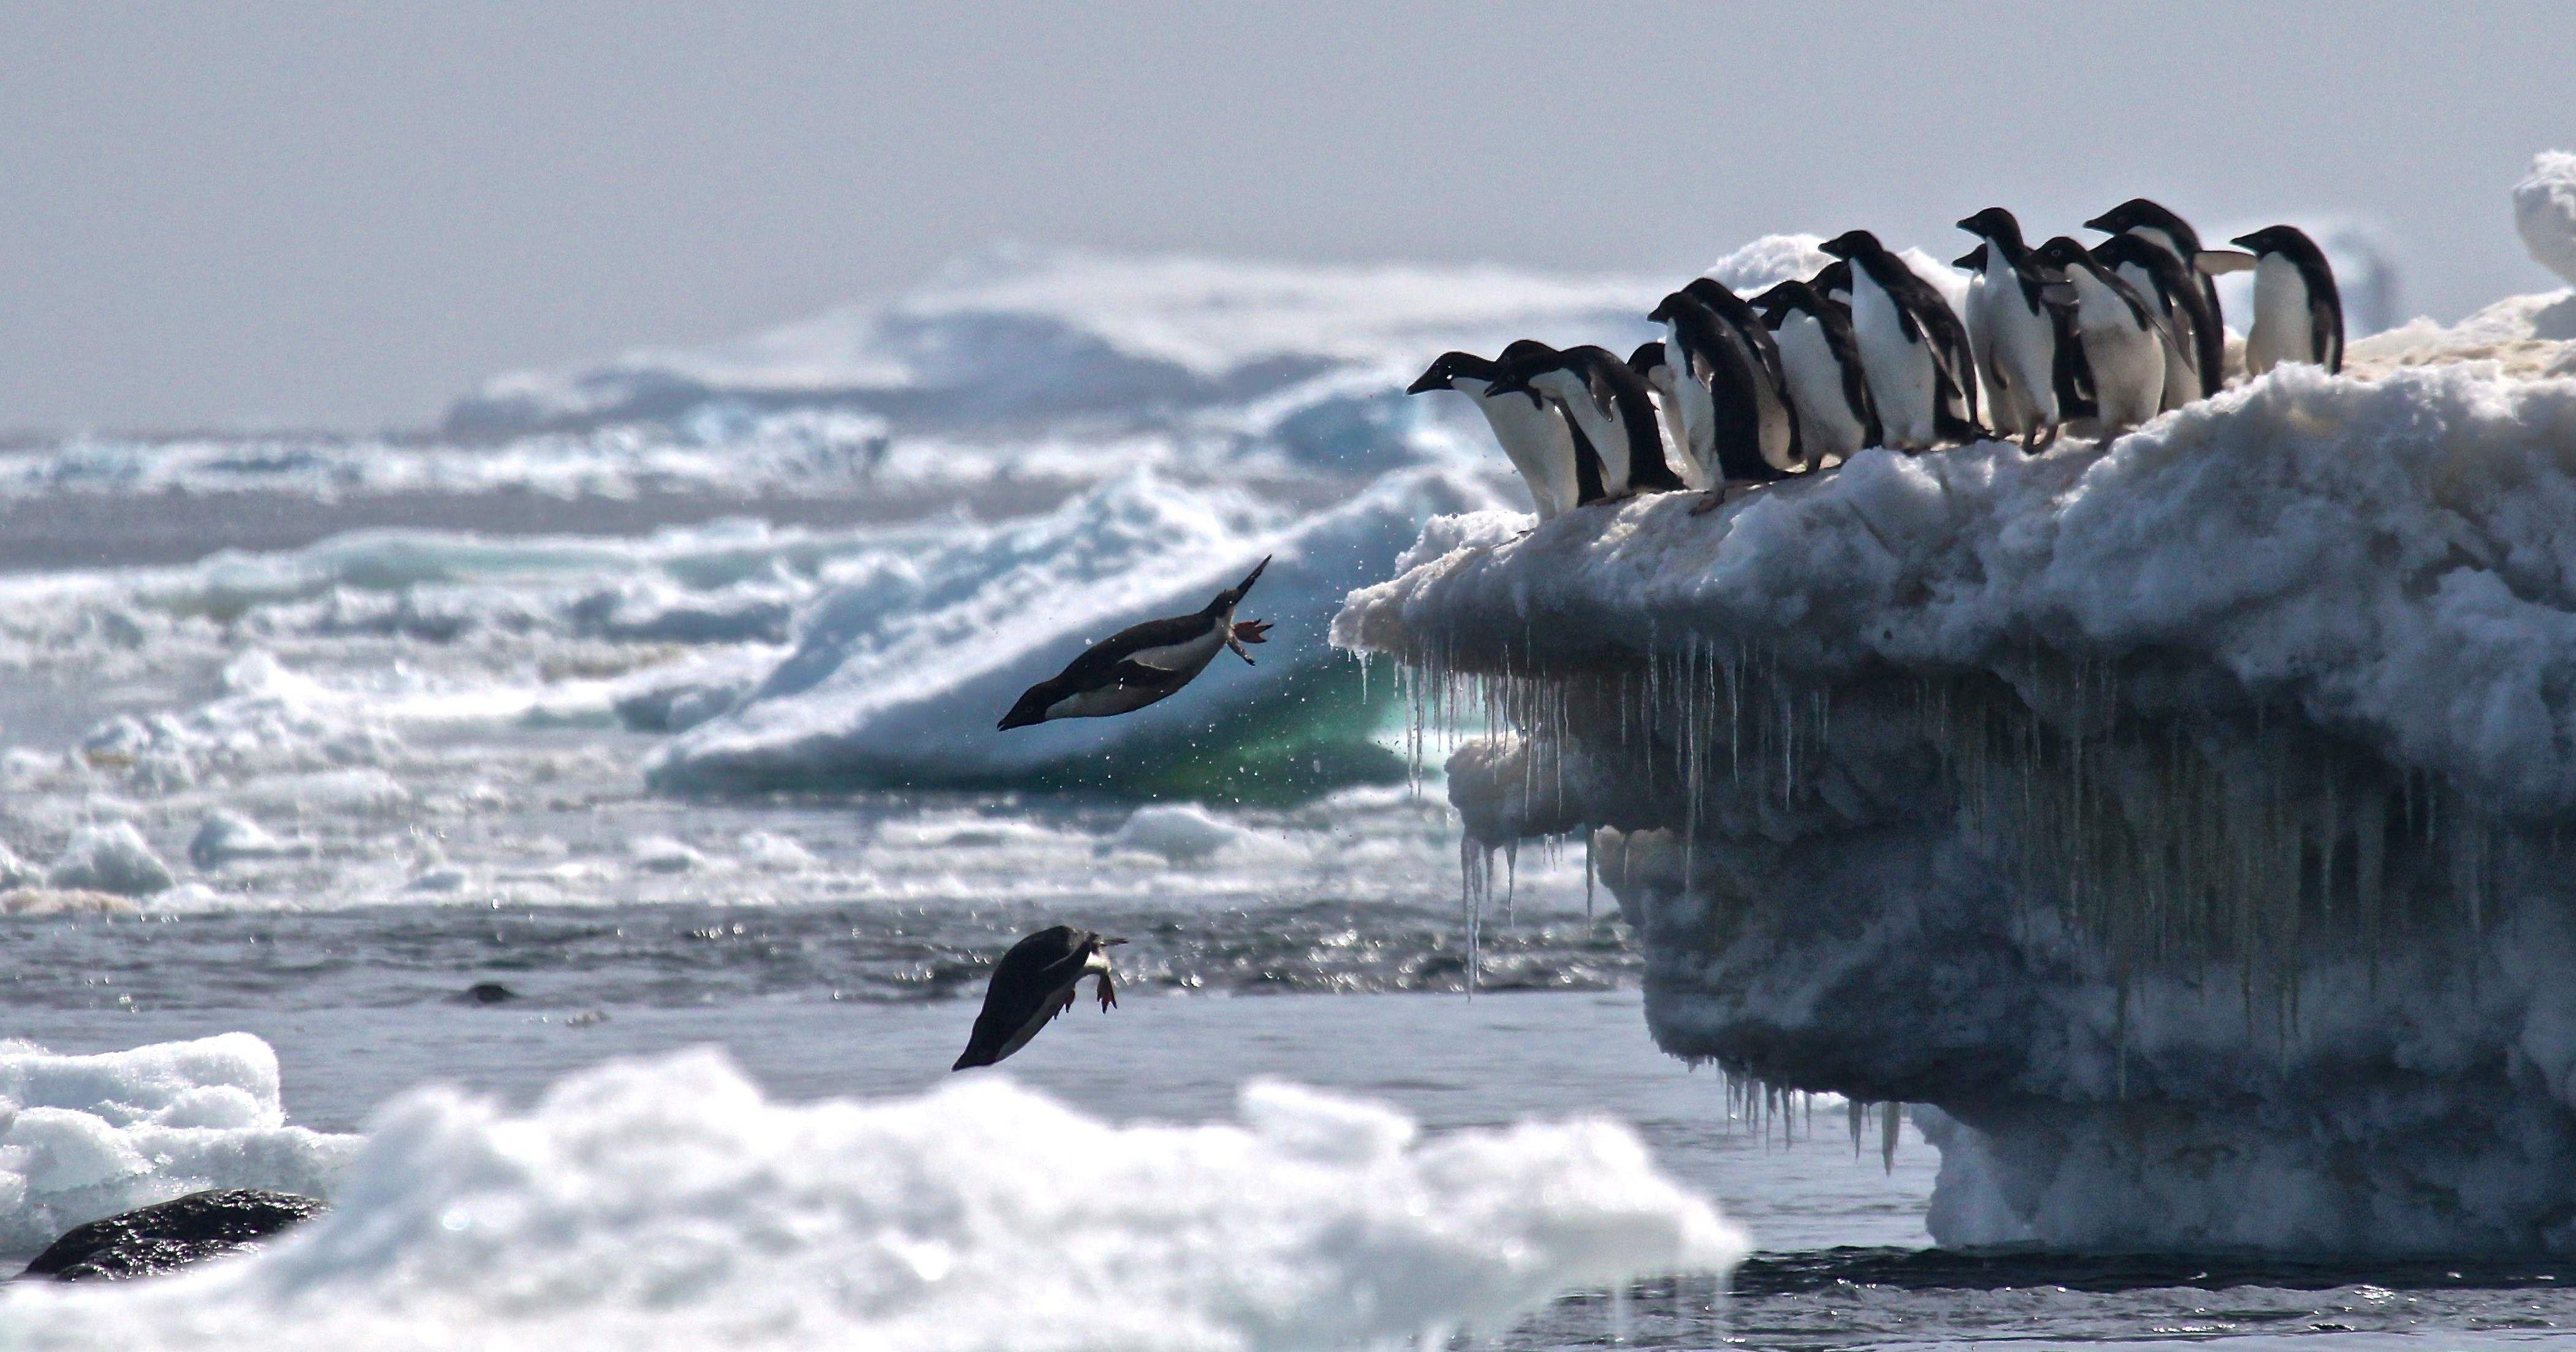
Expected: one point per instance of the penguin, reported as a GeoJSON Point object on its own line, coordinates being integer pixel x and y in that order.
{"type": "Point", "coordinates": [1922, 371]}
{"type": "Point", "coordinates": [2014, 330]}
{"type": "Point", "coordinates": [2173, 289]}
{"type": "Point", "coordinates": [1649, 364]}
{"type": "Point", "coordinates": [1716, 381]}
{"type": "Point", "coordinates": [1143, 663]}
{"type": "Point", "coordinates": [1538, 441]}
{"type": "Point", "coordinates": [2171, 233]}
{"type": "Point", "coordinates": [1822, 361]}
{"type": "Point", "coordinates": [1775, 415]}
{"type": "Point", "coordinates": [1833, 282]}
{"type": "Point", "coordinates": [1608, 404]}
{"type": "Point", "coordinates": [2298, 314]}
{"type": "Point", "coordinates": [2125, 341]}
{"type": "Point", "coordinates": [1032, 984]}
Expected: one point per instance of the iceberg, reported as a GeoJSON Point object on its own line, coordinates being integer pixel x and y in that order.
{"type": "Point", "coordinates": [668, 1204]}
{"type": "Point", "coordinates": [2183, 824]}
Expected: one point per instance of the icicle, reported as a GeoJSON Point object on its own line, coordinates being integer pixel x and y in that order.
{"type": "Point", "coordinates": [1891, 1128]}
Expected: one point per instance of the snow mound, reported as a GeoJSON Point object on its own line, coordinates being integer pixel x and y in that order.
{"type": "Point", "coordinates": [1183, 833]}
{"type": "Point", "coordinates": [113, 858]}
{"type": "Point", "coordinates": [900, 672]}
{"type": "Point", "coordinates": [88, 1136]}
{"type": "Point", "coordinates": [2544, 209]}
{"type": "Point", "coordinates": [666, 1204]}
{"type": "Point", "coordinates": [226, 836]}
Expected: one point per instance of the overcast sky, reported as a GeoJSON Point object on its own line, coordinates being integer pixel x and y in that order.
{"type": "Point", "coordinates": [343, 215]}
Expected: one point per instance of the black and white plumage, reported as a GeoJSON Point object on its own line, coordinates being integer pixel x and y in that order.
{"type": "Point", "coordinates": [2174, 289]}
{"type": "Point", "coordinates": [2126, 343]}
{"type": "Point", "coordinates": [1922, 370]}
{"type": "Point", "coordinates": [1032, 984]}
{"type": "Point", "coordinates": [1775, 415]}
{"type": "Point", "coordinates": [2015, 329]}
{"type": "Point", "coordinates": [1607, 403]}
{"type": "Point", "coordinates": [1822, 362]}
{"type": "Point", "coordinates": [1650, 364]}
{"type": "Point", "coordinates": [2298, 313]}
{"type": "Point", "coordinates": [1561, 470]}
{"type": "Point", "coordinates": [2158, 226]}
{"type": "Point", "coordinates": [1142, 663]}
{"type": "Point", "coordinates": [1717, 383]}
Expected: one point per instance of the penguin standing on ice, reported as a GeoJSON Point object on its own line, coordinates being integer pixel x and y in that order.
{"type": "Point", "coordinates": [2207, 341]}
{"type": "Point", "coordinates": [2298, 314]}
{"type": "Point", "coordinates": [2125, 342]}
{"type": "Point", "coordinates": [1716, 379]}
{"type": "Point", "coordinates": [1142, 664]}
{"type": "Point", "coordinates": [2173, 289]}
{"type": "Point", "coordinates": [1032, 984]}
{"type": "Point", "coordinates": [1822, 363]}
{"type": "Point", "coordinates": [1608, 404]}
{"type": "Point", "coordinates": [1560, 473]}
{"type": "Point", "coordinates": [2014, 330]}
{"type": "Point", "coordinates": [1922, 371]}
{"type": "Point", "coordinates": [1775, 416]}
{"type": "Point", "coordinates": [1648, 361]}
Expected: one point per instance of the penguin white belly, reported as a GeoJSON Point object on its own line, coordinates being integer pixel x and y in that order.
{"type": "Point", "coordinates": [1900, 373]}
{"type": "Point", "coordinates": [1535, 440]}
{"type": "Point", "coordinates": [1816, 385]}
{"type": "Point", "coordinates": [2128, 361]}
{"type": "Point", "coordinates": [1976, 313]}
{"type": "Point", "coordinates": [2280, 317]}
{"type": "Point", "coordinates": [1695, 410]}
{"type": "Point", "coordinates": [1608, 435]}
{"type": "Point", "coordinates": [1668, 417]}
{"type": "Point", "coordinates": [2025, 354]}
{"type": "Point", "coordinates": [2182, 375]}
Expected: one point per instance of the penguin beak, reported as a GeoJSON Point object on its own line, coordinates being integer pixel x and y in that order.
{"type": "Point", "coordinates": [1429, 380]}
{"type": "Point", "coordinates": [2103, 224]}
{"type": "Point", "coordinates": [1111, 943]}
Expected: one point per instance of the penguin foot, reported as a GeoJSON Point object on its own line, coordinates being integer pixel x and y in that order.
{"type": "Point", "coordinates": [1252, 631]}
{"type": "Point", "coordinates": [1108, 994]}
{"type": "Point", "coordinates": [1718, 495]}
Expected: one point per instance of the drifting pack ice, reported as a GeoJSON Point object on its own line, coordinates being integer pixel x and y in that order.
{"type": "Point", "coordinates": [2186, 823]}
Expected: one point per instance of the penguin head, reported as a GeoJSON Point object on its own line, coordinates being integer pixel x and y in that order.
{"type": "Point", "coordinates": [1782, 298]}
{"type": "Point", "coordinates": [1648, 357]}
{"type": "Point", "coordinates": [1852, 244]}
{"type": "Point", "coordinates": [1522, 362]}
{"type": "Point", "coordinates": [1449, 366]}
{"type": "Point", "coordinates": [2138, 213]}
{"type": "Point", "coordinates": [1993, 223]}
{"type": "Point", "coordinates": [1833, 277]}
{"type": "Point", "coordinates": [2287, 240]}
{"type": "Point", "coordinates": [2063, 254]}
{"type": "Point", "coordinates": [1973, 260]}
{"type": "Point", "coordinates": [1034, 703]}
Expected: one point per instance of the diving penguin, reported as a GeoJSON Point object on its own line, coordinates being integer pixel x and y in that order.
{"type": "Point", "coordinates": [1822, 362]}
{"type": "Point", "coordinates": [1032, 984]}
{"type": "Point", "coordinates": [1922, 371]}
{"type": "Point", "coordinates": [2148, 221]}
{"type": "Point", "coordinates": [1537, 440]}
{"type": "Point", "coordinates": [2014, 330]}
{"type": "Point", "coordinates": [1608, 404]}
{"type": "Point", "coordinates": [2126, 344]}
{"type": "Point", "coordinates": [1142, 663]}
{"type": "Point", "coordinates": [2298, 314]}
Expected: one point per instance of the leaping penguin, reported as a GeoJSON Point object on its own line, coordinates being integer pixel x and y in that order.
{"type": "Point", "coordinates": [2173, 288]}
{"type": "Point", "coordinates": [2014, 330]}
{"type": "Point", "coordinates": [2125, 341]}
{"type": "Point", "coordinates": [1922, 371]}
{"type": "Point", "coordinates": [1032, 984]}
{"type": "Point", "coordinates": [1537, 440]}
{"type": "Point", "coordinates": [1822, 361]}
{"type": "Point", "coordinates": [2171, 233]}
{"type": "Point", "coordinates": [2298, 313]}
{"type": "Point", "coordinates": [1143, 663]}
{"type": "Point", "coordinates": [1607, 403]}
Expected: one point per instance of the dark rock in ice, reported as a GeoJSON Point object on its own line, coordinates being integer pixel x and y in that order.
{"type": "Point", "coordinates": [171, 1235]}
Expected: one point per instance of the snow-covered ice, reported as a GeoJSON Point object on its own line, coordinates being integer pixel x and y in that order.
{"type": "Point", "coordinates": [669, 1204]}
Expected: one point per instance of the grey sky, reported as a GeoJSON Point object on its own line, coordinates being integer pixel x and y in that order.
{"type": "Point", "coordinates": [343, 215]}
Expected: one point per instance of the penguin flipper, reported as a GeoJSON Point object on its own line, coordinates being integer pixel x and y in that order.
{"type": "Point", "coordinates": [2219, 262]}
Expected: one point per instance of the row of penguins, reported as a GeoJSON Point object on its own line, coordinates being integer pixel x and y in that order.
{"type": "Point", "coordinates": [1743, 392]}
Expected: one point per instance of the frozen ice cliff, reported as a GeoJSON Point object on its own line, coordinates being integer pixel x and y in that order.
{"type": "Point", "coordinates": [83, 1137]}
{"type": "Point", "coordinates": [667, 1204]}
{"type": "Point", "coordinates": [2188, 823]}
